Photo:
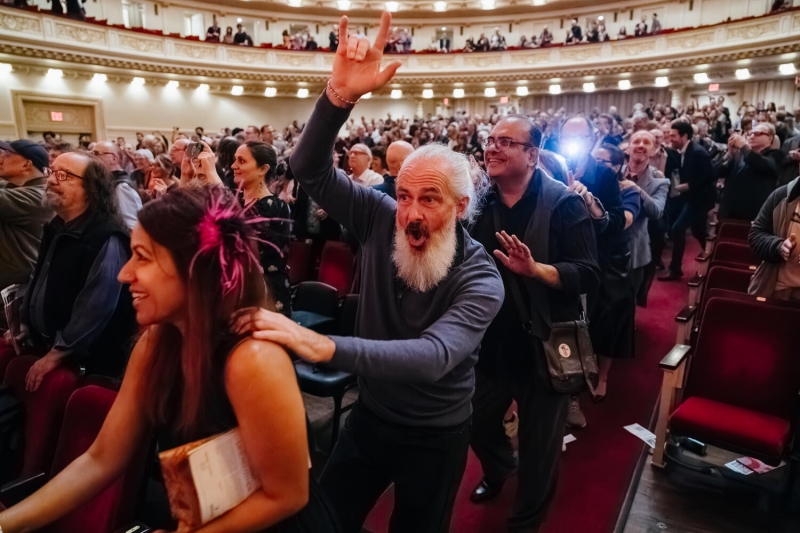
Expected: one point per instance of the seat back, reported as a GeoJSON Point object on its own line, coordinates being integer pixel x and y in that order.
{"type": "Point", "coordinates": [299, 263]}
{"type": "Point", "coordinates": [316, 297]}
{"type": "Point", "coordinates": [86, 412]}
{"type": "Point", "coordinates": [746, 356]}
{"type": "Point", "coordinates": [337, 266]}
{"type": "Point", "coordinates": [348, 316]}
{"type": "Point", "coordinates": [734, 231]}
{"type": "Point", "coordinates": [733, 252]}
{"type": "Point", "coordinates": [43, 411]}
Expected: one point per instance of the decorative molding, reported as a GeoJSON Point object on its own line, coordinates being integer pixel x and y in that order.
{"type": "Point", "coordinates": [139, 44]}
{"type": "Point", "coordinates": [436, 61]}
{"type": "Point", "coordinates": [243, 56]}
{"type": "Point", "coordinates": [635, 48]}
{"type": "Point", "coordinates": [18, 23]}
{"type": "Point", "coordinates": [80, 34]}
{"type": "Point", "coordinates": [690, 41]}
{"type": "Point", "coordinates": [295, 60]}
{"type": "Point", "coordinates": [753, 31]}
{"type": "Point", "coordinates": [195, 52]}
{"type": "Point", "coordinates": [580, 53]}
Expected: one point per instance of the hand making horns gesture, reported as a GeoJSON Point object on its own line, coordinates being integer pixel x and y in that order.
{"type": "Point", "coordinates": [357, 66]}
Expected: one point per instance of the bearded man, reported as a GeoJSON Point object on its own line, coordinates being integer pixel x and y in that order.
{"type": "Point", "coordinates": [428, 293]}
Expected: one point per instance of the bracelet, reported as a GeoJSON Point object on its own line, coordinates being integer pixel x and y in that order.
{"type": "Point", "coordinates": [348, 102]}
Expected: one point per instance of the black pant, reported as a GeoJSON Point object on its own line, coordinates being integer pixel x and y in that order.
{"type": "Point", "coordinates": [690, 216]}
{"type": "Point", "coordinates": [542, 416]}
{"type": "Point", "coordinates": [425, 464]}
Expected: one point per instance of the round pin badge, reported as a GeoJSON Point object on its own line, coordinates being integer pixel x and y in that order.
{"type": "Point", "coordinates": [564, 350]}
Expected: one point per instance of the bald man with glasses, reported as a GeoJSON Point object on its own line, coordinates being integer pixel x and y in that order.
{"type": "Point", "coordinates": [750, 173]}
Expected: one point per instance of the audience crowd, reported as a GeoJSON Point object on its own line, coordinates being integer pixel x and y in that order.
{"type": "Point", "coordinates": [445, 216]}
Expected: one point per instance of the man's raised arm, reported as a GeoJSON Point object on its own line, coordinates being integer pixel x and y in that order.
{"type": "Point", "coordinates": [356, 71]}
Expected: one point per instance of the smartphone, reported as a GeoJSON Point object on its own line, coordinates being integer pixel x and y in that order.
{"type": "Point", "coordinates": [194, 150]}
{"type": "Point", "coordinates": [135, 527]}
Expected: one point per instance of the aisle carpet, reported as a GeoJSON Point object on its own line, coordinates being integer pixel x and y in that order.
{"type": "Point", "coordinates": [597, 468]}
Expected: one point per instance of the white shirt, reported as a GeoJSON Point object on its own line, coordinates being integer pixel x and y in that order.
{"type": "Point", "coordinates": [368, 178]}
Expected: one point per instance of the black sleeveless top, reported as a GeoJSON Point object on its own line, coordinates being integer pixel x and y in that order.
{"type": "Point", "coordinates": [316, 517]}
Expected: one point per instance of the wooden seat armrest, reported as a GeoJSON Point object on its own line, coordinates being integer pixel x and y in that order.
{"type": "Point", "coordinates": [686, 314]}
{"type": "Point", "coordinates": [675, 357]}
{"type": "Point", "coordinates": [712, 237]}
{"type": "Point", "coordinates": [696, 281]}
{"type": "Point", "coordinates": [702, 257]}
{"type": "Point", "coordinates": [20, 488]}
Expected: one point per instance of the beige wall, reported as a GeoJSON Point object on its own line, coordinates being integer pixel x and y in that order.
{"type": "Point", "coordinates": [128, 109]}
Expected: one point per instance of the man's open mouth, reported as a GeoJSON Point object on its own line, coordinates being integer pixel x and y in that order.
{"type": "Point", "coordinates": [416, 236]}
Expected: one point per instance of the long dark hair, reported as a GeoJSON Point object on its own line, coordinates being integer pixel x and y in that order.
{"type": "Point", "coordinates": [226, 152]}
{"type": "Point", "coordinates": [186, 369]}
{"type": "Point", "coordinates": [98, 185]}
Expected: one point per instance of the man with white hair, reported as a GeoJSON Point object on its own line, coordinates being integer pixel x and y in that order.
{"type": "Point", "coordinates": [428, 293]}
{"type": "Point", "coordinates": [359, 158]}
{"type": "Point", "coordinates": [128, 199]}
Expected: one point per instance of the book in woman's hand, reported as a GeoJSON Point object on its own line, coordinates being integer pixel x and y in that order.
{"type": "Point", "coordinates": [207, 478]}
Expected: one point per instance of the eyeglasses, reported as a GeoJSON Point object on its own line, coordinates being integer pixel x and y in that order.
{"type": "Point", "coordinates": [60, 175]}
{"type": "Point", "coordinates": [753, 133]}
{"type": "Point", "coordinates": [503, 143]}
{"type": "Point", "coordinates": [98, 154]}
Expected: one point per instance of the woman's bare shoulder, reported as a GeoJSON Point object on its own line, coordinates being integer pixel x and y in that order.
{"type": "Point", "coordinates": [257, 359]}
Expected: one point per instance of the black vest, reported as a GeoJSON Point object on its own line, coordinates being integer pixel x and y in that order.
{"type": "Point", "coordinates": [73, 255]}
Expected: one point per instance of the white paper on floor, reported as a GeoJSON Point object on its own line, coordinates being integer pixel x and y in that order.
{"type": "Point", "coordinates": [739, 468]}
{"type": "Point", "coordinates": [569, 438]}
{"type": "Point", "coordinates": [645, 435]}
{"type": "Point", "coordinates": [759, 467]}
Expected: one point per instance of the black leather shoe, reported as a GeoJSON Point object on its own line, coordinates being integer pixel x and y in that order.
{"type": "Point", "coordinates": [485, 492]}
{"type": "Point", "coordinates": [671, 276]}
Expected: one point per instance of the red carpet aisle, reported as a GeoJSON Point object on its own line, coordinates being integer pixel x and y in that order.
{"type": "Point", "coordinates": [597, 468]}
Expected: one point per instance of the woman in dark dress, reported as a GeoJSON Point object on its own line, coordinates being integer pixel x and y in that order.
{"type": "Point", "coordinates": [254, 166]}
{"type": "Point", "coordinates": [194, 264]}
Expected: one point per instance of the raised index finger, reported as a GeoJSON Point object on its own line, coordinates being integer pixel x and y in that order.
{"type": "Point", "coordinates": [380, 40]}
{"type": "Point", "coordinates": [342, 34]}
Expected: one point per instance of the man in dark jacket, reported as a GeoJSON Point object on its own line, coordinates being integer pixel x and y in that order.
{"type": "Point", "coordinates": [751, 173]}
{"type": "Point", "coordinates": [75, 309]}
{"type": "Point", "coordinates": [549, 259]}
{"type": "Point", "coordinates": [22, 213]}
{"type": "Point", "coordinates": [696, 187]}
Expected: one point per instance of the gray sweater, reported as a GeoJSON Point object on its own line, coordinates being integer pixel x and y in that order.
{"type": "Point", "coordinates": [414, 352]}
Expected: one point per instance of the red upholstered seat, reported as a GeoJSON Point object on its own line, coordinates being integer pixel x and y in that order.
{"type": "Point", "coordinates": [734, 252]}
{"type": "Point", "coordinates": [7, 353]}
{"type": "Point", "coordinates": [750, 432]}
{"type": "Point", "coordinates": [43, 411]}
{"type": "Point", "coordinates": [299, 263]}
{"type": "Point", "coordinates": [337, 267]}
{"type": "Point", "coordinates": [113, 508]}
{"type": "Point", "coordinates": [733, 231]}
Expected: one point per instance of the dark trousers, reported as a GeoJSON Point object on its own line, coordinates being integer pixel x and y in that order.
{"type": "Point", "coordinates": [542, 416]}
{"type": "Point", "coordinates": [690, 216]}
{"type": "Point", "coordinates": [425, 464]}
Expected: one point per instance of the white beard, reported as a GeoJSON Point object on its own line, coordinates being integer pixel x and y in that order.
{"type": "Point", "coordinates": [422, 271]}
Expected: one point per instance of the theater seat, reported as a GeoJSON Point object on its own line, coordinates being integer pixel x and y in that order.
{"type": "Point", "coordinates": [43, 412]}
{"type": "Point", "coordinates": [316, 306]}
{"type": "Point", "coordinates": [323, 382]}
{"type": "Point", "coordinates": [86, 412]}
{"type": "Point", "coordinates": [337, 267]}
{"type": "Point", "coordinates": [748, 432]}
{"type": "Point", "coordinates": [299, 263]}
{"type": "Point", "coordinates": [7, 353]}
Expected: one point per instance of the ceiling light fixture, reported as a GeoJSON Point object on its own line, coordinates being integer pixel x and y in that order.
{"type": "Point", "coordinates": [237, 90]}
{"type": "Point", "coordinates": [99, 78]}
{"type": "Point", "coordinates": [555, 89]}
{"type": "Point", "coordinates": [392, 6]}
{"type": "Point", "coordinates": [538, 2]}
{"type": "Point", "coordinates": [397, 94]}
{"type": "Point", "coordinates": [601, 17]}
{"type": "Point", "coordinates": [55, 73]}
{"type": "Point", "coordinates": [787, 68]}
{"type": "Point", "coordinates": [440, 6]}
{"type": "Point", "coordinates": [137, 81]}
{"type": "Point", "coordinates": [662, 81]}
{"type": "Point", "coordinates": [5, 68]}
{"type": "Point", "coordinates": [270, 92]}
{"type": "Point", "coordinates": [487, 4]}
{"type": "Point", "coordinates": [458, 93]}
{"type": "Point", "coordinates": [522, 91]}
{"type": "Point", "coordinates": [490, 92]}
{"type": "Point", "coordinates": [742, 74]}
{"type": "Point", "coordinates": [295, 3]}
{"type": "Point", "coordinates": [203, 88]}
{"type": "Point", "coordinates": [302, 92]}
{"type": "Point", "coordinates": [588, 87]}
{"type": "Point", "coordinates": [624, 85]}
{"type": "Point", "coordinates": [238, 19]}
{"type": "Point", "coordinates": [343, 5]}
{"type": "Point", "coordinates": [427, 93]}
{"type": "Point", "coordinates": [701, 77]}
{"type": "Point", "coordinates": [173, 84]}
